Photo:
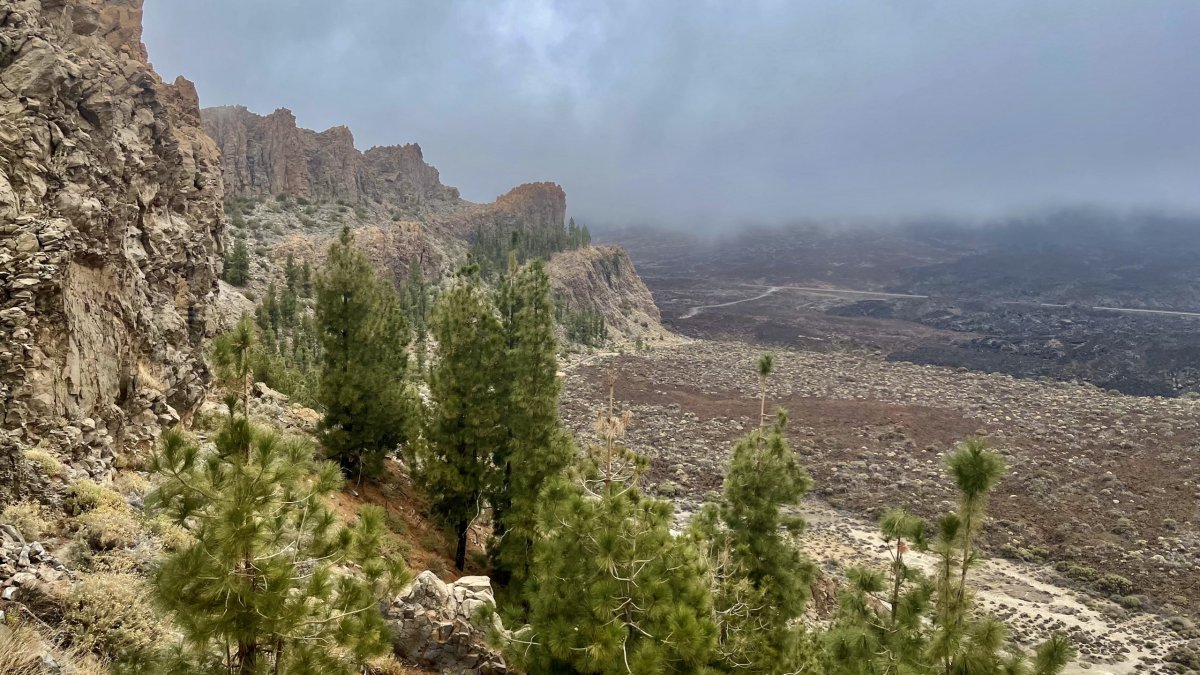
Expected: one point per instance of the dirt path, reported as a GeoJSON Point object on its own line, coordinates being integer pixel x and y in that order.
{"type": "Point", "coordinates": [696, 310]}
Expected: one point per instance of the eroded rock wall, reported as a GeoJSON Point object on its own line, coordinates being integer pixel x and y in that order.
{"type": "Point", "coordinates": [603, 279]}
{"type": "Point", "coordinates": [265, 156]}
{"type": "Point", "coordinates": [110, 224]}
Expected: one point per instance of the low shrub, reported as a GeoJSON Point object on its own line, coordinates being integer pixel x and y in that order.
{"type": "Point", "coordinates": [111, 615]}
{"type": "Point", "coordinates": [108, 528]}
{"type": "Point", "coordinates": [30, 519]}
{"type": "Point", "coordinates": [85, 495]}
{"type": "Point", "coordinates": [44, 461]}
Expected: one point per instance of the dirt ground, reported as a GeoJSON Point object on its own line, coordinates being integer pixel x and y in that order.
{"type": "Point", "coordinates": [1103, 487]}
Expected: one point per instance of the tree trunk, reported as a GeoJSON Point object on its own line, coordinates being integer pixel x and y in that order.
{"type": "Point", "coordinates": [460, 555]}
{"type": "Point", "coordinates": [247, 657]}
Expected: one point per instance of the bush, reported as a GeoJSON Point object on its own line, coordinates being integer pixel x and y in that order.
{"type": "Point", "coordinates": [45, 461]}
{"type": "Point", "coordinates": [132, 483]}
{"type": "Point", "coordinates": [107, 528]}
{"type": "Point", "coordinates": [85, 495]}
{"type": "Point", "coordinates": [30, 519]}
{"type": "Point", "coordinates": [174, 538]}
{"type": "Point", "coordinates": [1115, 584]}
{"type": "Point", "coordinates": [110, 614]}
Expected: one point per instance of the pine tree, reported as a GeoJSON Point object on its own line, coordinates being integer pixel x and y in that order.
{"type": "Point", "coordinates": [613, 591]}
{"type": "Point", "coordinates": [929, 626]}
{"type": "Point", "coordinates": [271, 308]}
{"type": "Point", "coordinates": [537, 446]}
{"type": "Point", "coordinates": [263, 586]}
{"type": "Point", "coordinates": [760, 578]}
{"type": "Point", "coordinates": [237, 264]}
{"type": "Point", "coordinates": [288, 306]}
{"type": "Point", "coordinates": [291, 273]}
{"type": "Point", "coordinates": [464, 426]}
{"type": "Point", "coordinates": [362, 336]}
{"type": "Point", "coordinates": [306, 280]}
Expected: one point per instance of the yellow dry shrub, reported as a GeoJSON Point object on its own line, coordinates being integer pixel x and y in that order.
{"type": "Point", "coordinates": [20, 651]}
{"type": "Point", "coordinates": [111, 615]}
{"type": "Point", "coordinates": [30, 519]}
{"type": "Point", "coordinates": [386, 665]}
{"type": "Point", "coordinates": [107, 528]}
{"type": "Point", "coordinates": [131, 483]}
{"type": "Point", "coordinates": [45, 461]}
{"type": "Point", "coordinates": [174, 537]}
{"type": "Point", "coordinates": [85, 495]}
{"type": "Point", "coordinates": [22, 647]}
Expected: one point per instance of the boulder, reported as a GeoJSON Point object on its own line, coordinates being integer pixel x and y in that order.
{"type": "Point", "coordinates": [443, 626]}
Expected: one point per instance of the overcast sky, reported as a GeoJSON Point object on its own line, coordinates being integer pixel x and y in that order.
{"type": "Point", "coordinates": [704, 113]}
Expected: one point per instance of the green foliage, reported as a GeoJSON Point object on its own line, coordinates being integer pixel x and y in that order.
{"type": "Point", "coordinates": [264, 585]}
{"type": "Point", "coordinates": [760, 580]}
{"type": "Point", "coordinates": [493, 244]}
{"type": "Point", "coordinates": [537, 447]}
{"type": "Point", "coordinates": [363, 337]}
{"type": "Point", "coordinates": [929, 625]}
{"type": "Point", "coordinates": [613, 591]}
{"type": "Point", "coordinates": [586, 327]}
{"type": "Point", "coordinates": [464, 424]}
{"type": "Point", "coordinates": [237, 264]}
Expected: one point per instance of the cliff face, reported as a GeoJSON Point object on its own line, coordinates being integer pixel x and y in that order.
{"type": "Point", "coordinates": [602, 279]}
{"type": "Point", "coordinates": [264, 156]}
{"type": "Point", "coordinates": [110, 226]}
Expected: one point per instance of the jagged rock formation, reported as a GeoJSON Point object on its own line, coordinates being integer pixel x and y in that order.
{"type": "Point", "coordinates": [602, 279]}
{"type": "Point", "coordinates": [441, 626]}
{"type": "Point", "coordinates": [110, 224]}
{"type": "Point", "coordinates": [265, 156]}
{"type": "Point", "coordinates": [403, 214]}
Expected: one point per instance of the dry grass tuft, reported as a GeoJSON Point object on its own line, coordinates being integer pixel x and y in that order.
{"type": "Point", "coordinates": [20, 651]}
{"type": "Point", "coordinates": [30, 519]}
{"type": "Point", "coordinates": [111, 615]}
{"type": "Point", "coordinates": [85, 495]}
{"type": "Point", "coordinates": [48, 463]}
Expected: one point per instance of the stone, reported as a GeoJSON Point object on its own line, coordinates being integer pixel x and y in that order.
{"type": "Point", "coordinates": [435, 625]}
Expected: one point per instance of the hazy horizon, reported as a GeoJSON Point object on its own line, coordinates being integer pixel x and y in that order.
{"type": "Point", "coordinates": [707, 115]}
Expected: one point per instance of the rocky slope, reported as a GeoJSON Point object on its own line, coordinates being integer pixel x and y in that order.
{"type": "Point", "coordinates": [110, 211]}
{"type": "Point", "coordinates": [603, 279]}
{"type": "Point", "coordinates": [302, 186]}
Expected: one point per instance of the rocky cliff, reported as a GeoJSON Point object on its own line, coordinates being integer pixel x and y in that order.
{"type": "Point", "coordinates": [299, 186]}
{"type": "Point", "coordinates": [602, 279]}
{"type": "Point", "coordinates": [110, 225]}
{"type": "Point", "coordinates": [265, 156]}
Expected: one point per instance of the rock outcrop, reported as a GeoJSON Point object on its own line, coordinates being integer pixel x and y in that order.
{"type": "Point", "coordinates": [602, 279]}
{"type": "Point", "coordinates": [265, 156]}
{"type": "Point", "coordinates": [439, 625]}
{"type": "Point", "coordinates": [403, 213]}
{"type": "Point", "coordinates": [110, 223]}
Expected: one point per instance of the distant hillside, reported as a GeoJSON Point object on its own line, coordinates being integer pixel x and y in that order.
{"type": "Point", "coordinates": [291, 190]}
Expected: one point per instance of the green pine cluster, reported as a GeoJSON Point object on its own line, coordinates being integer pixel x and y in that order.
{"type": "Point", "coordinates": [901, 621]}
{"type": "Point", "coordinates": [493, 244]}
{"type": "Point", "coordinates": [591, 569]}
{"type": "Point", "coordinates": [265, 585]}
{"type": "Point", "coordinates": [492, 434]}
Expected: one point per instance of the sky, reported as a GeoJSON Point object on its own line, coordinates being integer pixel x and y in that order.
{"type": "Point", "coordinates": [708, 114]}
